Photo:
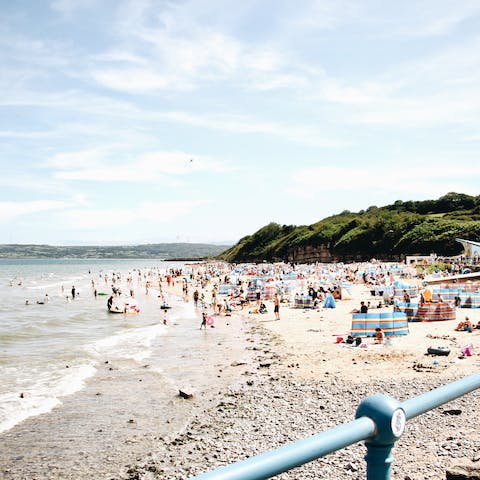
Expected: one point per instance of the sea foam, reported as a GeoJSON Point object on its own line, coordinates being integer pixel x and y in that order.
{"type": "Point", "coordinates": [43, 394]}
{"type": "Point", "coordinates": [134, 344]}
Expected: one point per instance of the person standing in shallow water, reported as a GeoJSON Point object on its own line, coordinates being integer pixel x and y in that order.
{"type": "Point", "coordinates": [73, 292]}
{"type": "Point", "coordinates": [204, 320]}
{"type": "Point", "coordinates": [276, 306]}
{"type": "Point", "coordinates": [109, 303]}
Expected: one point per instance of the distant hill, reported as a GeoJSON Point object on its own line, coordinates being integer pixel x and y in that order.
{"type": "Point", "coordinates": [166, 251]}
{"type": "Point", "coordinates": [385, 233]}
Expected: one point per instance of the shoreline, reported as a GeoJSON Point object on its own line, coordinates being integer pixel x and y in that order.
{"type": "Point", "coordinates": [285, 380]}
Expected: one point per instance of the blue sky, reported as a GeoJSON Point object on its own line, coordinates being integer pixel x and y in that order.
{"type": "Point", "coordinates": [143, 121]}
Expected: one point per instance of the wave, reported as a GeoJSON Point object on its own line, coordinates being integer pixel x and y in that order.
{"type": "Point", "coordinates": [43, 394]}
{"type": "Point", "coordinates": [134, 344]}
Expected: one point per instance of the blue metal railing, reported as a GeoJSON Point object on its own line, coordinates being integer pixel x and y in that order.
{"type": "Point", "coordinates": [380, 421]}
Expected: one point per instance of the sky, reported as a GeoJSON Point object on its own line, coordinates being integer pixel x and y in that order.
{"type": "Point", "coordinates": [149, 121]}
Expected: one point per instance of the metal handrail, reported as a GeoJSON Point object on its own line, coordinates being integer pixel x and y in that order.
{"type": "Point", "coordinates": [380, 422]}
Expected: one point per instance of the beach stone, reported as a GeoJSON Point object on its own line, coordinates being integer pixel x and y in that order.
{"type": "Point", "coordinates": [463, 469]}
{"type": "Point", "coordinates": [237, 364]}
{"type": "Point", "coordinates": [453, 411]}
{"type": "Point", "coordinates": [185, 393]}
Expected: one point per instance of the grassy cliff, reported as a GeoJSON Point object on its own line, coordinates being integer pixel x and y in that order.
{"type": "Point", "coordinates": [389, 232]}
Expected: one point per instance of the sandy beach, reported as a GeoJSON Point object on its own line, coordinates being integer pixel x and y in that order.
{"type": "Point", "coordinates": [303, 382]}
{"type": "Point", "coordinates": [291, 381]}
{"type": "Point", "coordinates": [308, 337]}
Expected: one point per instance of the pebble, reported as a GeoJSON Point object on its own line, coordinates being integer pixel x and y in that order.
{"type": "Point", "coordinates": [277, 409]}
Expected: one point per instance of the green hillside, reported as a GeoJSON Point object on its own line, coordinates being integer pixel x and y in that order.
{"type": "Point", "coordinates": [388, 233]}
{"type": "Point", "coordinates": [166, 251]}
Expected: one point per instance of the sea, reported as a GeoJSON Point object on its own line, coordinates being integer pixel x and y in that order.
{"type": "Point", "coordinates": [52, 345]}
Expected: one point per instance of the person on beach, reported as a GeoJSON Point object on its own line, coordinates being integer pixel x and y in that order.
{"type": "Point", "coordinates": [204, 320]}
{"type": "Point", "coordinates": [242, 299]}
{"type": "Point", "coordinates": [110, 302]}
{"type": "Point", "coordinates": [379, 336]}
{"type": "Point", "coordinates": [363, 308]}
{"type": "Point", "coordinates": [73, 292]}
{"type": "Point", "coordinates": [214, 297]}
{"type": "Point", "coordinates": [427, 296]}
{"type": "Point", "coordinates": [465, 326]}
{"type": "Point", "coordinates": [276, 307]}
{"type": "Point", "coordinates": [195, 298]}
{"type": "Point", "coordinates": [227, 308]}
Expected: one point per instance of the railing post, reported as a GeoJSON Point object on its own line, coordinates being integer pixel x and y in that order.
{"type": "Point", "coordinates": [389, 419]}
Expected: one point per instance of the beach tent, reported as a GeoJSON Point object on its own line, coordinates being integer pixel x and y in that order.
{"type": "Point", "coordinates": [345, 294]}
{"type": "Point", "coordinates": [329, 301]}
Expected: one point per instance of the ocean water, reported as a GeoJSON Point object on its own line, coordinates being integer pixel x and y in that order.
{"type": "Point", "coordinates": [50, 349]}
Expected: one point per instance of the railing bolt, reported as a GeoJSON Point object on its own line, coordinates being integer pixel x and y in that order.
{"type": "Point", "coordinates": [389, 419]}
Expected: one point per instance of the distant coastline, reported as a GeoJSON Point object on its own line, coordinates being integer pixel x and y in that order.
{"type": "Point", "coordinates": [157, 251]}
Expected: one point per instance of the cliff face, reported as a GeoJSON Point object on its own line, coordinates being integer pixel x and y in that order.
{"type": "Point", "coordinates": [310, 254]}
{"type": "Point", "coordinates": [322, 254]}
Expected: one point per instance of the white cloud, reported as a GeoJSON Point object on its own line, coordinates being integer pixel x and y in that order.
{"type": "Point", "coordinates": [433, 18]}
{"type": "Point", "coordinates": [301, 133]}
{"type": "Point", "coordinates": [84, 159]}
{"type": "Point", "coordinates": [25, 135]}
{"type": "Point", "coordinates": [434, 90]}
{"type": "Point", "coordinates": [103, 165]}
{"type": "Point", "coordinates": [390, 178]}
{"type": "Point", "coordinates": [135, 80]}
{"type": "Point", "coordinates": [11, 210]}
{"type": "Point", "coordinates": [119, 56]}
{"type": "Point", "coordinates": [116, 218]}
{"type": "Point", "coordinates": [326, 15]}
{"type": "Point", "coordinates": [69, 7]}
